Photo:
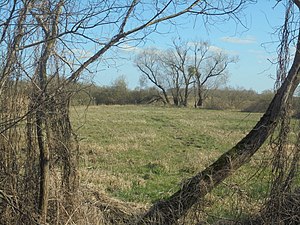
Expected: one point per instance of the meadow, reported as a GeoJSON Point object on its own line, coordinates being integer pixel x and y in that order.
{"type": "Point", "coordinates": [142, 153]}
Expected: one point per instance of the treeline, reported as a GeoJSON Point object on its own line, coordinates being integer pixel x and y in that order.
{"type": "Point", "coordinates": [239, 99]}
{"type": "Point", "coordinates": [246, 100]}
{"type": "Point", "coordinates": [219, 99]}
{"type": "Point", "coordinates": [119, 94]}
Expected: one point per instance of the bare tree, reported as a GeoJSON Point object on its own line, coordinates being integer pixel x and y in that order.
{"type": "Point", "coordinates": [187, 63]}
{"type": "Point", "coordinates": [47, 46]}
{"type": "Point", "coordinates": [175, 63]}
{"type": "Point", "coordinates": [209, 69]}
{"type": "Point", "coordinates": [149, 63]}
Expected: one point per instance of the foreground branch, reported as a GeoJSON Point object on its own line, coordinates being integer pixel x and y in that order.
{"type": "Point", "coordinates": [170, 210]}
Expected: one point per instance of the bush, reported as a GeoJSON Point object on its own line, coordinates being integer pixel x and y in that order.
{"type": "Point", "coordinates": [261, 103]}
{"type": "Point", "coordinates": [86, 94]}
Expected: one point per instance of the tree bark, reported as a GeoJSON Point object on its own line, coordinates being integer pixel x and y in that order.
{"type": "Point", "coordinates": [44, 166]}
{"type": "Point", "coordinates": [200, 99]}
{"type": "Point", "coordinates": [42, 126]}
{"type": "Point", "coordinates": [170, 210]}
{"type": "Point", "coordinates": [165, 95]}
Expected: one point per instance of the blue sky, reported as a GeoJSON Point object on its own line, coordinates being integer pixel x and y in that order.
{"type": "Point", "coordinates": [255, 47]}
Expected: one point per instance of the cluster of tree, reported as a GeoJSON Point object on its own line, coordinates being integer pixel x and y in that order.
{"type": "Point", "coordinates": [218, 99]}
{"type": "Point", "coordinates": [239, 99]}
{"type": "Point", "coordinates": [221, 99]}
{"type": "Point", "coordinates": [188, 68]}
{"type": "Point", "coordinates": [116, 94]}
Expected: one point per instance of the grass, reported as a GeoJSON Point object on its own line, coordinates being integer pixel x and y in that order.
{"type": "Point", "coordinates": [142, 153]}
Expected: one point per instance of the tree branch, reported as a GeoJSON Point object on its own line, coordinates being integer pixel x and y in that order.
{"type": "Point", "coordinates": [297, 3]}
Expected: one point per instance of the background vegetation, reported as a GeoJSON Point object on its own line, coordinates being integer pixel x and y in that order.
{"type": "Point", "coordinates": [118, 93]}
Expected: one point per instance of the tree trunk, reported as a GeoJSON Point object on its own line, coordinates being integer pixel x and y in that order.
{"type": "Point", "coordinates": [166, 96]}
{"type": "Point", "coordinates": [170, 210]}
{"type": "Point", "coordinates": [186, 95]}
{"type": "Point", "coordinates": [41, 126]}
{"type": "Point", "coordinates": [44, 166]}
{"type": "Point", "coordinates": [200, 100]}
{"type": "Point", "coordinates": [175, 100]}
{"type": "Point", "coordinates": [199, 93]}
{"type": "Point", "coordinates": [42, 119]}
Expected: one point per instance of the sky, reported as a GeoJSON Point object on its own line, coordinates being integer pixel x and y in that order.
{"type": "Point", "coordinates": [255, 46]}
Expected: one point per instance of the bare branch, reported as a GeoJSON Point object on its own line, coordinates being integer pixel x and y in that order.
{"type": "Point", "coordinates": [8, 20]}
{"type": "Point", "coordinates": [297, 2]}
{"type": "Point", "coordinates": [130, 10]}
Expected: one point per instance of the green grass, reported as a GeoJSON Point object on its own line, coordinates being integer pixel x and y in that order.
{"type": "Point", "coordinates": [143, 153]}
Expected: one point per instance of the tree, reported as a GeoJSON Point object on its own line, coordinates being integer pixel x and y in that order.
{"type": "Point", "coordinates": [48, 44]}
{"type": "Point", "coordinates": [186, 66]}
{"type": "Point", "coordinates": [120, 90]}
{"type": "Point", "coordinates": [149, 63]}
{"type": "Point", "coordinates": [209, 69]}
{"type": "Point", "coordinates": [175, 62]}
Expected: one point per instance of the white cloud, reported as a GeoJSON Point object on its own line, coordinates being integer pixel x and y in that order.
{"type": "Point", "coordinates": [129, 48]}
{"type": "Point", "coordinates": [217, 49]}
{"type": "Point", "coordinates": [241, 41]}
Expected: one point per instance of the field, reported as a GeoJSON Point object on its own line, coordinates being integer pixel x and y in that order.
{"type": "Point", "coordinates": [142, 153]}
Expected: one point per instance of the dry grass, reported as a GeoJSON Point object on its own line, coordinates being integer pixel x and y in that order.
{"type": "Point", "coordinates": [141, 154]}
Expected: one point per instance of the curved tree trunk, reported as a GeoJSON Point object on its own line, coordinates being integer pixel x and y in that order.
{"type": "Point", "coordinates": [165, 95]}
{"type": "Point", "coordinates": [170, 210]}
